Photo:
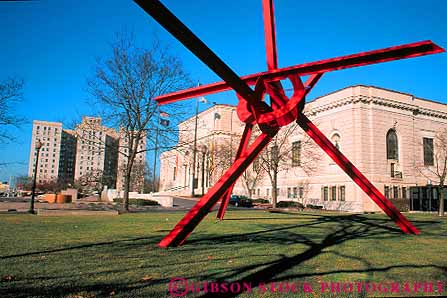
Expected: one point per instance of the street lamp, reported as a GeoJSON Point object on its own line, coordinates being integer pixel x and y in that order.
{"type": "Point", "coordinates": [204, 150]}
{"type": "Point", "coordinates": [193, 186]}
{"type": "Point", "coordinates": [38, 146]}
{"type": "Point", "coordinates": [194, 155]}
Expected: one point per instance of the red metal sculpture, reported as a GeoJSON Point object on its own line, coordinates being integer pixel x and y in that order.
{"type": "Point", "coordinates": [252, 109]}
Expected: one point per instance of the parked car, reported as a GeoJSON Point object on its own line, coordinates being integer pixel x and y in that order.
{"type": "Point", "coordinates": [240, 201]}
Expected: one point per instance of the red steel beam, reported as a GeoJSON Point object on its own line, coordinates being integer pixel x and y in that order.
{"type": "Point", "coordinates": [243, 145]}
{"type": "Point", "coordinates": [270, 34]}
{"type": "Point", "coordinates": [288, 112]}
{"type": "Point", "coordinates": [187, 224]}
{"type": "Point", "coordinates": [270, 48]}
{"type": "Point", "coordinates": [180, 31]}
{"type": "Point", "coordinates": [241, 85]}
{"type": "Point", "coordinates": [284, 115]}
{"type": "Point", "coordinates": [366, 58]}
{"type": "Point", "coordinates": [360, 179]}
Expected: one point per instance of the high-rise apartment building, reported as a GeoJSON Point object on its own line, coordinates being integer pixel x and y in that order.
{"type": "Point", "coordinates": [50, 135]}
{"type": "Point", "coordinates": [88, 154]}
{"type": "Point", "coordinates": [96, 151]}
{"type": "Point", "coordinates": [67, 156]}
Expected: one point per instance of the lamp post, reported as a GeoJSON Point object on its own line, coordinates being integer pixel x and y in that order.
{"type": "Point", "coordinates": [38, 146]}
{"type": "Point", "coordinates": [194, 151]}
{"type": "Point", "coordinates": [154, 181]}
{"type": "Point", "coordinates": [194, 156]}
{"type": "Point", "coordinates": [204, 150]}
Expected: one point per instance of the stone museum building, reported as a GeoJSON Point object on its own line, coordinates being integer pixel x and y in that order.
{"type": "Point", "coordinates": [388, 135]}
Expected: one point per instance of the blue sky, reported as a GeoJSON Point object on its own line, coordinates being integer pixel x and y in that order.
{"type": "Point", "coordinates": [53, 45]}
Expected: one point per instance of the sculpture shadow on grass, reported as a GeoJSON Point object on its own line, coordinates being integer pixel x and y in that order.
{"type": "Point", "coordinates": [318, 234]}
{"type": "Point", "coordinates": [75, 247]}
{"type": "Point", "coordinates": [345, 228]}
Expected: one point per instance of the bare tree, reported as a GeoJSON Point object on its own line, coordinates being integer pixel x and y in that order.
{"type": "Point", "coordinates": [11, 93]}
{"type": "Point", "coordinates": [125, 85]}
{"type": "Point", "coordinates": [252, 175]}
{"type": "Point", "coordinates": [137, 175]}
{"type": "Point", "coordinates": [434, 166]}
{"type": "Point", "coordinates": [283, 154]}
{"type": "Point", "coordinates": [220, 157]}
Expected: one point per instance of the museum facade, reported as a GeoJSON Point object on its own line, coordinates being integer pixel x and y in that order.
{"type": "Point", "coordinates": [388, 135]}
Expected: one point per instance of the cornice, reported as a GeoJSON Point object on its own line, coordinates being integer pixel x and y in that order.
{"type": "Point", "coordinates": [378, 101]}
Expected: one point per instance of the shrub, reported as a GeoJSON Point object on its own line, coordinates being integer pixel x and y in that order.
{"type": "Point", "coordinates": [310, 206]}
{"type": "Point", "coordinates": [137, 202]}
{"type": "Point", "coordinates": [289, 204]}
{"type": "Point", "coordinates": [260, 201]}
{"type": "Point", "coordinates": [401, 204]}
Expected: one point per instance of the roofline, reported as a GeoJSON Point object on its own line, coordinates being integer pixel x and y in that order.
{"type": "Point", "coordinates": [381, 88]}
{"type": "Point", "coordinates": [330, 93]}
{"type": "Point", "coordinates": [45, 121]}
{"type": "Point", "coordinates": [209, 108]}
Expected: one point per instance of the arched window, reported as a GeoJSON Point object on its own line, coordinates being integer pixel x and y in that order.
{"type": "Point", "coordinates": [392, 145]}
{"type": "Point", "coordinates": [336, 140]}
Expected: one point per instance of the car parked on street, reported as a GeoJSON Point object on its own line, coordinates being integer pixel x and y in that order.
{"type": "Point", "coordinates": [240, 201]}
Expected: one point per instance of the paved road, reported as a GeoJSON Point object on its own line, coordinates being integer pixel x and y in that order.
{"type": "Point", "coordinates": [188, 203]}
{"type": "Point", "coordinates": [184, 203]}
{"type": "Point", "coordinates": [23, 205]}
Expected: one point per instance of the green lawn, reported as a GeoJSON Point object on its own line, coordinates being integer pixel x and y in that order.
{"type": "Point", "coordinates": [118, 256]}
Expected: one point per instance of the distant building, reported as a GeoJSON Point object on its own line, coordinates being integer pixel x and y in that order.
{"type": "Point", "coordinates": [96, 152]}
{"type": "Point", "coordinates": [218, 130]}
{"type": "Point", "coordinates": [385, 133]}
{"type": "Point", "coordinates": [4, 187]}
{"type": "Point", "coordinates": [138, 168]}
{"type": "Point", "coordinates": [67, 157]}
{"type": "Point", "coordinates": [88, 153]}
{"type": "Point", "coordinates": [50, 134]}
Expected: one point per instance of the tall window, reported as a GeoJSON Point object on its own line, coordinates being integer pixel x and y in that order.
{"type": "Point", "coordinates": [296, 154]}
{"type": "Point", "coordinates": [428, 152]}
{"type": "Point", "coordinates": [387, 192]}
{"type": "Point", "coordinates": [391, 145]}
{"type": "Point", "coordinates": [295, 192]}
{"type": "Point", "coordinates": [395, 192]}
{"type": "Point", "coordinates": [301, 194]}
{"type": "Point", "coordinates": [336, 140]}
{"type": "Point", "coordinates": [274, 153]}
{"type": "Point", "coordinates": [325, 193]}
{"type": "Point", "coordinates": [256, 165]}
{"type": "Point", "coordinates": [333, 193]}
{"type": "Point", "coordinates": [342, 193]}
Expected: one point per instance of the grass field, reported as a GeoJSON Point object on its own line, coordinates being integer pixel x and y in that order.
{"type": "Point", "coordinates": [118, 257]}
